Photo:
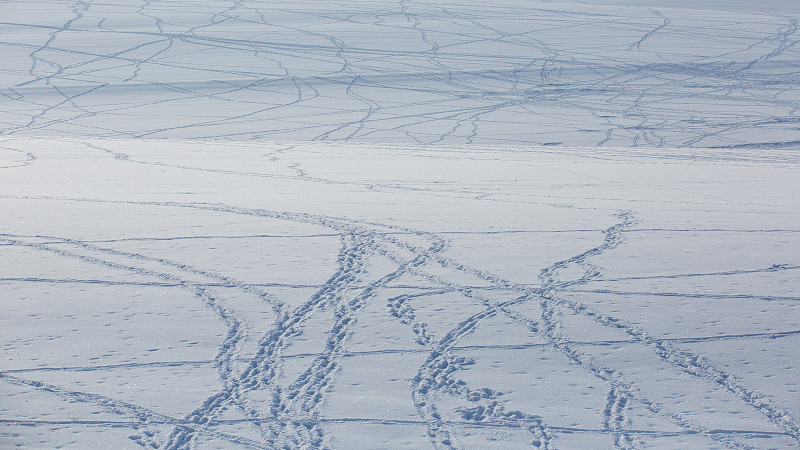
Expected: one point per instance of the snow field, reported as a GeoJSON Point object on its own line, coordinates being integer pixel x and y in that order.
{"type": "Point", "coordinates": [212, 294]}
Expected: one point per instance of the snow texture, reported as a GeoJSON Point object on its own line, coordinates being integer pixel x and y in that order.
{"type": "Point", "coordinates": [575, 73]}
{"type": "Point", "coordinates": [248, 224]}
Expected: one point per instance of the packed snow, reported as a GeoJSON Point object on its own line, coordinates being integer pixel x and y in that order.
{"type": "Point", "coordinates": [248, 224]}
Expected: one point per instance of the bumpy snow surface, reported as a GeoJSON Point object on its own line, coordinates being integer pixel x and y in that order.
{"type": "Point", "coordinates": [251, 224]}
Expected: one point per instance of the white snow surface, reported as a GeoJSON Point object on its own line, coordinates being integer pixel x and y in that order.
{"type": "Point", "coordinates": [618, 73]}
{"type": "Point", "coordinates": [196, 294]}
{"type": "Point", "coordinates": [249, 224]}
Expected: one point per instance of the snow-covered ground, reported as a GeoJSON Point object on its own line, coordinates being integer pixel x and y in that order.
{"type": "Point", "coordinates": [400, 224]}
{"type": "Point", "coordinates": [357, 295]}
{"type": "Point", "coordinates": [573, 73]}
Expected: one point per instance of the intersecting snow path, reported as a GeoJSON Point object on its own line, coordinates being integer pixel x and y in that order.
{"type": "Point", "coordinates": [400, 224]}
{"type": "Point", "coordinates": [189, 294]}
{"type": "Point", "coordinates": [667, 73]}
